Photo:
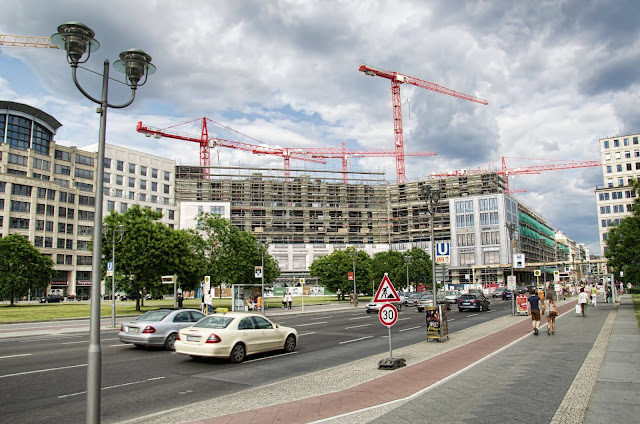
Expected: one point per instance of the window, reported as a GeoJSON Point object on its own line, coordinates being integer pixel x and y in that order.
{"type": "Point", "coordinates": [619, 167]}
{"type": "Point", "coordinates": [132, 182]}
{"type": "Point", "coordinates": [62, 212]}
{"type": "Point", "coordinates": [50, 210]}
{"type": "Point", "coordinates": [19, 223]}
{"type": "Point", "coordinates": [627, 154]}
{"type": "Point", "coordinates": [106, 177]}
{"type": "Point", "coordinates": [111, 205]}
{"type": "Point", "coordinates": [491, 257]}
{"type": "Point", "coordinates": [609, 169]}
{"type": "Point", "coordinates": [41, 139]}
{"type": "Point", "coordinates": [85, 215]}
{"type": "Point", "coordinates": [60, 259]}
{"type": "Point", "coordinates": [154, 173]}
{"type": "Point", "coordinates": [62, 155]}
{"type": "Point", "coordinates": [167, 175]}
{"type": "Point", "coordinates": [86, 200]}
{"type": "Point", "coordinates": [466, 239]}
{"type": "Point", "coordinates": [123, 207]}
{"type": "Point", "coordinates": [165, 188]}
{"type": "Point", "coordinates": [38, 241]}
{"type": "Point", "coordinates": [83, 173]}
{"type": "Point", "coordinates": [616, 143]}
{"type": "Point", "coordinates": [143, 184]}
{"type": "Point", "coordinates": [120, 165]}
{"type": "Point", "coordinates": [17, 206]}
{"type": "Point", "coordinates": [85, 230]}
{"type": "Point", "coordinates": [84, 260]}
{"type": "Point", "coordinates": [154, 199]}
{"type": "Point", "coordinates": [172, 214]}
{"type": "Point", "coordinates": [620, 182]}
{"type": "Point", "coordinates": [118, 193]}
{"type": "Point", "coordinates": [604, 196]}
{"type": "Point", "coordinates": [625, 141]}
{"type": "Point", "coordinates": [629, 167]}
{"type": "Point", "coordinates": [69, 228]}
{"type": "Point", "coordinates": [130, 195]}
{"type": "Point", "coordinates": [21, 190]}
{"type": "Point", "coordinates": [62, 169]}
{"type": "Point", "coordinates": [132, 168]}
{"type": "Point", "coordinates": [17, 159]}
{"type": "Point", "coordinates": [51, 194]}
{"type": "Point", "coordinates": [48, 242]}
{"type": "Point", "coordinates": [606, 144]}
{"type": "Point", "coordinates": [467, 258]}
{"type": "Point", "coordinates": [70, 213]}
{"type": "Point", "coordinates": [607, 156]}
{"type": "Point", "coordinates": [63, 183]}
{"type": "Point", "coordinates": [84, 160]}
{"type": "Point", "coordinates": [143, 197]}
{"type": "Point", "coordinates": [154, 186]}
{"type": "Point", "coordinates": [217, 210]}
{"type": "Point", "coordinates": [82, 245]}
{"type": "Point", "coordinates": [107, 163]}
{"type": "Point", "coordinates": [49, 226]}
{"type": "Point", "coordinates": [119, 180]}
{"type": "Point", "coordinates": [635, 140]}
{"type": "Point", "coordinates": [143, 171]}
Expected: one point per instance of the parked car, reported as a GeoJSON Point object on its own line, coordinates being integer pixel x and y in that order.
{"type": "Point", "coordinates": [452, 296]}
{"type": "Point", "coordinates": [427, 300]}
{"type": "Point", "coordinates": [158, 327]}
{"type": "Point", "coordinates": [375, 307]}
{"type": "Point", "coordinates": [235, 335]}
{"type": "Point", "coordinates": [502, 292]}
{"type": "Point", "coordinates": [412, 299]}
{"type": "Point", "coordinates": [54, 298]}
{"type": "Point", "coordinates": [473, 301]}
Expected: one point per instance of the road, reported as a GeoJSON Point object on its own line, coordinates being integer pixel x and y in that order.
{"type": "Point", "coordinates": [43, 378]}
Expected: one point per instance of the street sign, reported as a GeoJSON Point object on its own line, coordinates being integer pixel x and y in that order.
{"type": "Point", "coordinates": [350, 276]}
{"type": "Point", "coordinates": [442, 253]}
{"type": "Point", "coordinates": [109, 269]}
{"type": "Point", "coordinates": [207, 284]}
{"type": "Point", "coordinates": [257, 271]}
{"type": "Point", "coordinates": [536, 272]}
{"type": "Point", "coordinates": [388, 314]}
{"type": "Point", "coordinates": [386, 292]}
{"type": "Point", "coordinates": [168, 279]}
{"type": "Point", "coordinates": [511, 283]}
{"type": "Point", "coordinates": [556, 275]}
{"type": "Point", "coordinates": [518, 260]}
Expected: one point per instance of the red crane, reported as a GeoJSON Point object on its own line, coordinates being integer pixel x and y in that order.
{"type": "Point", "coordinates": [397, 79]}
{"type": "Point", "coordinates": [344, 154]}
{"type": "Point", "coordinates": [536, 169]}
{"type": "Point", "coordinates": [207, 142]}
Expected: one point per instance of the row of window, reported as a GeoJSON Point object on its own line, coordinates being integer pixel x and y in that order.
{"type": "Point", "coordinates": [22, 133]}
{"type": "Point", "coordinates": [619, 167]}
{"type": "Point", "coordinates": [47, 242]}
{"type": "Point", "coordinates": [615, 195]}
{"type": "Point", "coordinates": [487, 238]}
{"type": "Point", "coordinates": [616, 209]}
{"type": "Point", "coordinates": [618, 155]}
{"type": "Point", "coordinates": [616, 142]}
{"type": "Point", "coordinates": [604, 223]}
{"type": "Point", "coordinates": [62, 259]}
{"type": "Point", "coordinates": [132, 169]}
{"type": "Point", "coordinates": [131, 182]}
{"type": "Point", "coordinates": [488, 258]}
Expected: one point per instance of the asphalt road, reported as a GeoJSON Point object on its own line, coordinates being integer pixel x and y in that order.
{"type": "Point", "coordinates": [43, 379]}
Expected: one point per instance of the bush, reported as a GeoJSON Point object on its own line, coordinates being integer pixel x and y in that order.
{"type": "Point", "coordinates": [634, 290]}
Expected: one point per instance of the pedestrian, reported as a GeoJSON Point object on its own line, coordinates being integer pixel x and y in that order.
{"type": "Point", "coordinates": [289, 299]}
{"type": "Point", "coordinates": [533, 307]}
{"type": "Point", "coordinates": [607, 298]}
{"type": "Point", "coordinates": [180, 299]}
{"type": "Point", "coordinates": [284, 301]}
{"type": "Point", "coordinates": [259, 303]}
{"type": "Point", "coordinates": [203, 306]}
{"type": "Point", "coordinates": [339, 293]}
{"type": "Point", "coordinates": [594, 295]}
{"type": "Point", "coordinates": [551, 312]}
{"type": "Point", "coordinates": [209, 300]}
{"type": "Point", "coordinates": [582, 301]}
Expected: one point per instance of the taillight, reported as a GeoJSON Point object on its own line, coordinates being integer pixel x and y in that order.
{"type": "Point", "coordinates": [213, 339]}
{"type": "Point", "coordinates": [178, 336]}
{"type": "Point", "coordinates": [149, 329]}
{"type": "Point", "coordinates": [459, 300]}
{"type": "Point", "coordinates": [475, 301]}
{"type": "Point", "coordinates": [121, 327]}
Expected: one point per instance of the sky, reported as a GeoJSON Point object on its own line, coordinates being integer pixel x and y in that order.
{"type": "Point", "coordinates": [557, 76]}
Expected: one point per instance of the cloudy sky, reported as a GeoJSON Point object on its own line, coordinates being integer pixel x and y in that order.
{"type": "Point", "coordinates": [558, 76]}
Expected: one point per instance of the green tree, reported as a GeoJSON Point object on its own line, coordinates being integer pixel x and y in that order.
{"type": "Point", "coordinates": [231, 255]}
{"type": "Point", "coordinates": [22, 267]}
{"type": "Point", "coordinates": [623, 243]}
{"type": "Point", "coordinates": [393, 263]}
{"type": "Point", "coordinates": [332, 271]}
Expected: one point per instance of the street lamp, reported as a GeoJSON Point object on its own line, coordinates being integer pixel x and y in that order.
{"type": "Point", "coordinates": [262, 246]}
{"type": "Point", "coordinates": [431, 196]}
{"type": "Point", "coordinates": [407, 260]}
{"type": "Point", "coordinates": [511, 229]}
{"type": "Point", "coordinates": [120, 231]}
{"type": "Point", "coordinates": [77, 39]}
{"type": "Point", "coordinates": [354, 255]}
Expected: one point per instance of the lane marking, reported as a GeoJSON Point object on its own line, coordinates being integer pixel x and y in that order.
{"type": "Point", "coordinates": [365, 317]}
{"type": "Point", "coordinates": [407, 329]}
{"type": "Point", "coordinates": [452, 319]}
{"type": "Point", "coordinates": [268, 357]}
{"type": "Point", "coordinates": [403, 319]}
{"type": "Point", "coordinates": [44, 370]}
{"type": "Point", "coordinates": [16, 356]}
{"type": "Point", "coordinates": [356, 340]}
{"type": "Point", "coordinates": [306, 334]}
{"type": "Point", "coordinates": [81, 341]}
{"type": "Point", "coordinates": [472, 315]}
{"type": "Point", "coordinates": [322, 317]}
{"type": "Point", "coordinates": [112, 387]}
{"type": "Point", "coordinates": [357, 326]}
{"type": "Point", "coordinates": [312, 323]}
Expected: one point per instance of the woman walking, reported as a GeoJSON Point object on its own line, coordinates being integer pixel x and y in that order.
{"type": "Point", "coordinates": [551, 312]}
{"type": "Point", "coordinates": [582, 300]}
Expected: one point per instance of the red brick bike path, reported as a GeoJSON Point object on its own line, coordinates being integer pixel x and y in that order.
{"type": "Point", "coordinates": [393, 386]}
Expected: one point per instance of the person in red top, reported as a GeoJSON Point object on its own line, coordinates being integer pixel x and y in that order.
{"type": "Point", "coordinates": [533, 307]}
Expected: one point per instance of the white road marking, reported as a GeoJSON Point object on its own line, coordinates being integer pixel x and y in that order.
{"type": "Point", "coordinates": [451, 319]}
{"type": "Point", "coordinates": [355, 340]}
{"type": "Point", "coordinates": [472, 315]}
{"type": "Point", "coordinates": [119, 345]}
{"type": "Point", "coordinates": [357, 326]}
{"type": "Point", "coordinates": [113, 387]}
{"type": "Point", "coordinates": [82, 341]}
{"type": "Point", "coordinates": [407, 329]}
{"type": "Point", "coordinates": [322, 317]}
{"type": "Point", "coordinates": [16, 356]}
{"type": "Point", "coordinates": [311, 323]}
{"type": "Point", "coordinates": [268, 357]}
{"type": "Point", "coordinates": [44, 370]}
{"type": "Point", "coordinates": [365, 317]}
{"type": "Point", "coordinates": [403, 319]}
{"type": "Point", "coordinates": [306, 334]}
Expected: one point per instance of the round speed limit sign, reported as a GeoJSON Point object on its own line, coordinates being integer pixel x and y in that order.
{"type": "Point", "coordinates": [388, 314]}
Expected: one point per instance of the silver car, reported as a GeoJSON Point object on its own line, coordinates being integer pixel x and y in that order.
{"type": "Point", "coordinates": [158, 327]}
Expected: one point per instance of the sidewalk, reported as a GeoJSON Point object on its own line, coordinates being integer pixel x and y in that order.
{"type": "Point", "coordinates": [493, 372]}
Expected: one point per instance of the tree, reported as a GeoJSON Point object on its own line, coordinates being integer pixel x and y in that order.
{"type": "Point", "coordinates": [332, 271]}
{"type": "Point", "coordinates": [393, 263]}
{"type": "Point", "coordinates": [623, 243]}
{"type": "Point", "coordinates": [22, 267]}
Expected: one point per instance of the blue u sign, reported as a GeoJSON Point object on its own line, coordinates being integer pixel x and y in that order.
{"type": "Point", "coordinates": [442, 249]}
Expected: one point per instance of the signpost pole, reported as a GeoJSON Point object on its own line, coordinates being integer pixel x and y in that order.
{"type": "Point", "coordinates": [390, 351]}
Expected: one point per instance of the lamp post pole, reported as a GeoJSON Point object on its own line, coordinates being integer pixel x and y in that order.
{"type": "Point", "coordinates": [354, 255]}
{"type": "Point", "coordinates": [77, 39]}
{"type": "Point", "coordinates": [105, 230]}
{"type": "Point", "coordinates": [407, 260]}
{"type": "Point", "coordinates": [431, 196]}
{"type": "Point", "coordinates": [261, 246]}
{"type": "Point", "coordinates": [511, 228]}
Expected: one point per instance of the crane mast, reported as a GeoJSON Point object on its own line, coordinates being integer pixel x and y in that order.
{"type": "Point", "coordinates": [396, 101]}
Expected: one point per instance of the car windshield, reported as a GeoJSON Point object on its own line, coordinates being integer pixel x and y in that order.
{"type": "Point", "coordinates": [157, 315]}
{"type": "Point", "coordinates": [450, 293]}
{"type": "Point", "coordinates": [416, 295]}
{"type": "Point", "coordinates": [214, 321]}
{"type": "Point", "coordinates": [468, 296]}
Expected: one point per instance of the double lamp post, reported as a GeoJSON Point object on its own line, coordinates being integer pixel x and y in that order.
{"type": "Point", "coordinates": [431, 196]}
{"type": "Point", "coordinates": [77, 39]}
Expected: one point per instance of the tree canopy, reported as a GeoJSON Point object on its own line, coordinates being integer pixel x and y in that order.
{"type": "Point", "coordinates": [22, 267]}
{"type": "Point", "coordinates": [332, 271]}
{"type": "Point", "coordinates": [623, 243]}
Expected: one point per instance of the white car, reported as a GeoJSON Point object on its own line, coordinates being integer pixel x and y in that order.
{"type": "Point", "coordinates": [234, 335]}
{"type": "Point", "coordinates": [375, 306]}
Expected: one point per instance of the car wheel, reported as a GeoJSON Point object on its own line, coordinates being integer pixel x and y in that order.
{"type": "Point", "coordinates": [488, 307]}
{"type": "Point", "coordinates": [480, 308]}
{"type": "Point", "coordinates": [238, 353]}
{"type": "Point", "coordinates": [170, 342]}
{"type": "Point", "coordinates": [290, 343]}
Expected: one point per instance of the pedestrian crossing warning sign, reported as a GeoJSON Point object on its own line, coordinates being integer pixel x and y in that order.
{"type": "Point", "coordinates": [386, 292]}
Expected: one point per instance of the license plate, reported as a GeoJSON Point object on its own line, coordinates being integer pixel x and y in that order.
{"type": "Point", "coordinates": [466, 303]}
{"type": "Point", "coordinates": [131, 329]}
{"type": "Point", "coordinates": [193, 338]}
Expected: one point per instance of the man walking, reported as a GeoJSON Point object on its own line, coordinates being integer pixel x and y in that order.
{"type": "Point", "coordinates": [594, 295]}
{"type": "Point", "coordinates": [533, 303]}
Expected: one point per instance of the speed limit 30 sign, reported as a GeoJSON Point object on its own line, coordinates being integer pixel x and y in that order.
{"type": "Point", "coordinates": [388, 314]}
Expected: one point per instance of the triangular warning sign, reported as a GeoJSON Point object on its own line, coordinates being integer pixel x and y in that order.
{"type": "Point", "coordinates": [386, 292]}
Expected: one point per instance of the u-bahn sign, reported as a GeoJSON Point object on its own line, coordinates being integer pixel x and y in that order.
{"type": "Point", "coordinates": [442, 253]}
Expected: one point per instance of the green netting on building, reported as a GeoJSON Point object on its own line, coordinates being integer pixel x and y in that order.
{"type": "Point", "coordinates": [544, 232]}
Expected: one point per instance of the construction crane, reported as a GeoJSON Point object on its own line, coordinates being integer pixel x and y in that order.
{"type": "Point", "coordinates": [206, 143]}
{"type": "Point", "coordinates": [523, 170]}
{"type": "Point", "coordinates": [397, 79]}
{"type": "Point", "coordinates": [344, 154]}
{"type": "Point", "coordinates": [26, 41]}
